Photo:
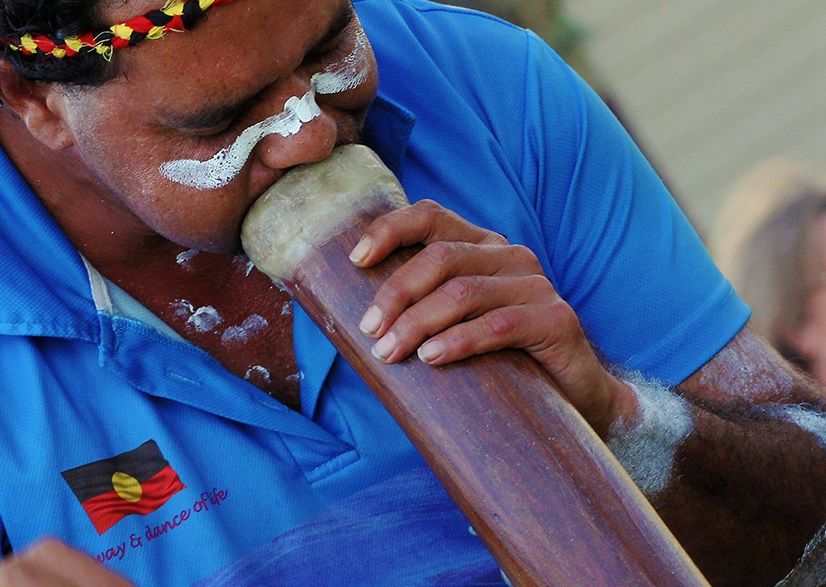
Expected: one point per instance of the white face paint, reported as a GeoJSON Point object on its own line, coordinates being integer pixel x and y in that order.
{"type": "Point", "coordinates": [347, 74]}
{"type": "Point", "coordinates": [227, 163]}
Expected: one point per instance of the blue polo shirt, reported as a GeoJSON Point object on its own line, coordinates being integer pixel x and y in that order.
{"type": "Point", "coordinates": [138, 448]}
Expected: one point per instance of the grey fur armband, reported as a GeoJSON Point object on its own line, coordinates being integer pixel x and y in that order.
{"type": "Point", "coordinates": [646, 447]}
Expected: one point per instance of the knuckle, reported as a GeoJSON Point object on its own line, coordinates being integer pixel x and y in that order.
{"type": "Point", "coordinates": [563, 317]}
{"type": "Point", "coordinates": [394, 289]}
{"type": "Point", "coordinates": [460, 342]}
{"type": "Point", "coordinates": [382, 228]}
{"type": "Point", "coordinates": [562, 329]}
{"type": "Point", "coordinates": [429, 209]}
{"type": "Point", "coordinates": [438, 254]}
{"type": "Point", "coordinates": [526, 257]}
{"type": "Point", "coordinates": [495, 238]}
{"type": "Point", "coordinates": [501, 322]}
{"type": "Point", "coordinates": [541, 286]}
{"type": "Point", "coordinates": [460, 289]}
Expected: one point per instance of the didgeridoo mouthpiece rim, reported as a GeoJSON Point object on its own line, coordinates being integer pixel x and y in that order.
{"type": "Point", "coordinates": [312, 203]}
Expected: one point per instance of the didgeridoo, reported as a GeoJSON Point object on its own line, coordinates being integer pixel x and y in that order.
{"type": "Point", "coordinates": [550, 502]}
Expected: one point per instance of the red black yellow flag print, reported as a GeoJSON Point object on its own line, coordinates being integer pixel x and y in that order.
{"type": "Point", "coordinates": [135, 482]}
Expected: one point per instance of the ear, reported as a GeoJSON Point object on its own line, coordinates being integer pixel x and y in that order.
{"type": "Point", "coordinates": [39, 105]}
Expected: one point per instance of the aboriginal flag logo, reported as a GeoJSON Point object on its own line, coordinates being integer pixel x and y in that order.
{"type": "Point", "coordinates": [135, 482]}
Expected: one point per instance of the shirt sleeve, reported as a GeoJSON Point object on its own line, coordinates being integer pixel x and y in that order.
{"type": "Point", "coordinates": [621, 251]}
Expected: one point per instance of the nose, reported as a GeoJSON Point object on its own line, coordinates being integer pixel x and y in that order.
{"type": "Point", "coordinates": [305, 135]}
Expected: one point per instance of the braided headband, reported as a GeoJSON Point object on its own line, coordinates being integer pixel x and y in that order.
{"type": "Point", "coordinates": [176, 15]}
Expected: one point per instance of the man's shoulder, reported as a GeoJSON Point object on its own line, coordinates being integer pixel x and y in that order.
{"type": "Point", "coordinates": [44, 285]}
{"type": "Point", "coordinates": [437, 26]}
{"type": "Point", "coordinates": [430, 53]}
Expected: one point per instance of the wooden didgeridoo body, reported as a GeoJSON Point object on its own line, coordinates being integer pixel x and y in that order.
{"type": "Point", "coordinates": [540, 488]}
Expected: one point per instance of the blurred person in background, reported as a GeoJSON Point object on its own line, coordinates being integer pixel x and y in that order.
{"type": "Point", "coordinates": [770, 241]}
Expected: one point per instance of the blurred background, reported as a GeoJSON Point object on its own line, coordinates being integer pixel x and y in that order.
{"type": "Point", "coordinates": [709, 88]}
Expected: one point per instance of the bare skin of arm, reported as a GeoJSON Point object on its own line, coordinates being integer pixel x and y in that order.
{"type": "Point", "coordinates": [745, 492]}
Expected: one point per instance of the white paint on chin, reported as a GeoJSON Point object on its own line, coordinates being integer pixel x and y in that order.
{"type": "Point", "coordinates": [226, 164]}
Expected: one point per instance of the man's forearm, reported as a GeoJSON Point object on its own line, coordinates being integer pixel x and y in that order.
{"type": "Point", "coordinates": [742, 490]}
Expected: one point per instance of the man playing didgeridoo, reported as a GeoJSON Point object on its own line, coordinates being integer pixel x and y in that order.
{"type": "Point", "coordinates": [142, 355]}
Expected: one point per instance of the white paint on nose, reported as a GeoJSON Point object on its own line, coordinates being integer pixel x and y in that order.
{"type": "Point", "coordinates": [227, 163]}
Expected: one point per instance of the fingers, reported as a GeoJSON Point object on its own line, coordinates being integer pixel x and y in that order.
{"type": "Point", "coordinates": [435, 268]}
{"type": "Point", "coordinates": [424, 222]}
{"type": "Point", "coordinates": [470, 314]}
{"type": "Point", "coordinates": [469, 292]}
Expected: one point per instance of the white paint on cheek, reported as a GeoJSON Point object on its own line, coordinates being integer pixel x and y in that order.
{"type": "Point", "coordinates": [250, 327]}
{"type": "Point", "coordinates": [347, 74]}
{"type": "Point", "coordinates": [646, 449]}
{"type": "Point", "coordinates": [224, 166]}
{"type": "Point", "coordinates": [227, 163]}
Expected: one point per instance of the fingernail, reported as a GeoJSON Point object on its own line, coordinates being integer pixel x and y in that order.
{"type": "Point", "coordinates": [384, 347]}
{"type": "Point", "coordinates": [361, 250]}
{"type": "Point", "coordinates": [431, 350]}
{"type": "Point", "coordinates": [371, 321]}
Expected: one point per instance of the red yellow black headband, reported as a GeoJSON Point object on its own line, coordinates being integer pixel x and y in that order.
{"type": "Point", "coordinates": [176, 15]}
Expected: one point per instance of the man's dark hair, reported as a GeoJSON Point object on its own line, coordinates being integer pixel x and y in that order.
{"type": "Point", "coordinates": [57, 19]}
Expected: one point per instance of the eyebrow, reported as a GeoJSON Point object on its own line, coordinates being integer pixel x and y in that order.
{"type": "Point", "coordinates": [213, 115]}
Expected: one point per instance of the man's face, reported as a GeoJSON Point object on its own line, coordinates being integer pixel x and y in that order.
{"type": "Point", "coordinates": [217, 95]}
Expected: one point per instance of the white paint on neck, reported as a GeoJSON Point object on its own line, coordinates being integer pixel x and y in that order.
{"type": "Point", "coordinates": [203, 319]}
{"type": "Point", "coordinates": [249, 328]}
{"type": "Point", "coordinates": [184, 257]}
{"type": "Point", "coordinates": [183, 308]}
{"type": "Point", "coordinates": [746, 371]}
{"type": "Point", "coordinates": [258, 373]}
{"type": "Point", "coordinates": [227, 163]}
